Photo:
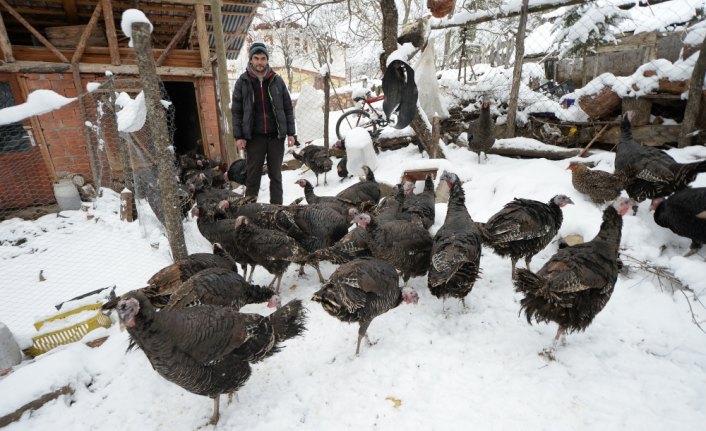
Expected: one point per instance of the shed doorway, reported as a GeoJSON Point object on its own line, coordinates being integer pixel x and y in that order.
{"type": "Point", "coordinates": [187, 133]}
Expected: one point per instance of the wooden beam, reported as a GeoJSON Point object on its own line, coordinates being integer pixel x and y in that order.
{"type": "Point", "coordinates": [5, 45]}
{"type": "Point", "coordinates": [202, 34]}
{"type": "Point", "coordinates": [177, 38]}
{"type": "Point", "coordinates": [32, 30]}
{"type": "Point", "coordinates": [71, 11]}
{"type": "Point", "coordinates": [81, 45]}
{"type": "Point", "coordinates": [110, 33]}
{"type": "Point", "coordinates": [223, 93]}
{"type": "Point", "coordinates": [124, 69]}
{"type": "Point", "coordinates": [695, 102]}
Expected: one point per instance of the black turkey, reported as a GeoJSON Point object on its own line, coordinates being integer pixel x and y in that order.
{"type": "Point", "coordinates": [481, 132]}
{"type": "Point", "coordinates": [421, 205]}
{"type": "Point", "coordinates": [649, 172]}
{"type": "Point", "coordinates": [367, 191]}
{"type": "Point", "coordinates": [329, 201]}
{"type": "Point", "coordinates": [269, 248]}
{"type": "Point", "coordinates": [455, 254]}
{"type": "Point", "coordinates": [207, 349]}
{"type": "Point", "coordinates": [577, 282]}
{"type": "Point", "coordinates": [316, 158]}
{"type": "Point", "coordinates": [406, 245]}
{"type": "Point", "coordinates": [523, 227]}
{"type": "Point", "coordinates": [684, 213]}
{"type": "Point", "coordinates": [362, 289]}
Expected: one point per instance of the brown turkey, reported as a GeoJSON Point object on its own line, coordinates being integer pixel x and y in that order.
{"type": "Point", "coordinates": [455, 254]}
{"type": "Point", "coordinates": [481, 132]}
{"type": "Point", "coordinates": [650, 172]}
{"type": "Point", "coordinates": [269, 248]}
{"type": "Point", "coordinates": [168, 279]}
{"type": "Point", "coordinates": [316, 158]}
{"type": "Point", "coordinates": [600, 186]}
{"type": "Point", "coordinates": [364, 192]}
{"type": "Point", "coordinates": [219, 286]}
{"type": "Point", "coordinates": [422, 205]}
{"type": "Point", "coordinates": [523, 227]}
{"type": "Point", "coordinates": [406, 245]}
{"type": "Point", "coordinates": [684, 213]}
{"type": "Point", "coordinates": [362, 289]}
{"type": "Point", "coordinates": [207, 349]}
{"type": "Point", "coordinates": [577, 282]}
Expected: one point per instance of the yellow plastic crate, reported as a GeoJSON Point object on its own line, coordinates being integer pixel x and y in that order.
{"type": "Point", "coordinates": [45, 342]}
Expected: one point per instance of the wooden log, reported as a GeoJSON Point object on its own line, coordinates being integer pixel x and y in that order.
{"type": "Point", "coordinates": [531, 153]}
{"type": "Point", "coordinates": [5, 45]}
{"type": "Point", "coordinates": [601, 105]}
{"type": "Point", "coordinates": [397, 142]}
{"type": "Point", "coordinates": [87, 33]}
{"type": "Point", "coordinates": [694, 104]}
{"type": "Point", "coordinates": [34, 405]}
{"type": "Point", "coordinates": [435, 135]}
{"type": "Point", "coordinates": [110, 32]}
{"type": "Point", "coordinates": [127, 199]}
{"type": "Point", "coordinates": [673, 87]}
{"type": "Point", "coordinates": [97, 342]}
{"type": "Point", "coordinates": [640, 107]}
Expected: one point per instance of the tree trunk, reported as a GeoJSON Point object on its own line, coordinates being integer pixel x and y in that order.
{"type": "Point", "coordinates": [517, 72]}
{"type": "Point", "coordinates": [695, 102]}
{"type": "Point", "coordinates": [327, 106]}
{"type": "Point", "coordinates": [160, 138]}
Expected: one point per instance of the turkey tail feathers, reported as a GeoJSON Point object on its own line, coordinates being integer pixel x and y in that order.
{"type": "Point", "coordinates": [534, 288]}
{"type": "Point", "coordinates": [289, 321]}
{"type": "Point", "coordinates": [487, 236]}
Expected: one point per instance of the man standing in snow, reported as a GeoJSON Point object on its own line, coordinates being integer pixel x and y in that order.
{"type": "Point", "coordinates": [262, 118]}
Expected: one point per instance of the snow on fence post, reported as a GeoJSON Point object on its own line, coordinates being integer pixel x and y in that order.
{"type": "Point", "coordinates": [126, 205]}
{"type": "Point", "coordinates": [160, 137]}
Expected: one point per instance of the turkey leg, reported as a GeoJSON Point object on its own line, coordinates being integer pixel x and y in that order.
{"type": "Point", "coordinates": [361, 333]}
{"type": "Point", "coordinates": [216, 414]}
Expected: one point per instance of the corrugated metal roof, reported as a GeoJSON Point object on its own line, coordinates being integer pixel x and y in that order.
{"type": "Point", "coordinates": [236, 20]}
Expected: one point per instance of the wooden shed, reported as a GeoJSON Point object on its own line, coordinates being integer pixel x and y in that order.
{"type": "Point", "coordinates": [63, 45]}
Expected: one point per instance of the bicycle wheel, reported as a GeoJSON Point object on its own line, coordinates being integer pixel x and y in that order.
{"type": "Point", "coordinates": [353, 119]}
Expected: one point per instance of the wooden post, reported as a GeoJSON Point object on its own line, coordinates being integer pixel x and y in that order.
{"type": "Point", "coordinates": [435, 135]}
{"type": "Point", "coordinates": [223, 89]}
{"type": "Point", "coordinates": [110, 32]}
{"type": "Point", "coordinates": [695, 102]}
{"type": "Point", "coordinates": [5, 45]}
{"type": "Point", "coordinates": [327, 106]}
{"type": "Point", "coordinates": [176, 39]}
{"type": "Point", "coordinates": [81, 45]}
{"type": "Point", "coordinates": [88, 136]}
{"type": "Point", "coordinates": [43, 40]}
{"type": "Point", "coordinates": [160, 138]}
{"type": "Point", "coordinates": [202, 36]}
{"type": "Point", "coordinates": [517, 72]}
{"type": "Point", "coordinates": [126, 205]}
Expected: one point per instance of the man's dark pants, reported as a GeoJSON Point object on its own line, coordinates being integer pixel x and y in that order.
{"type": "Point", "coordinates": [261, 148]}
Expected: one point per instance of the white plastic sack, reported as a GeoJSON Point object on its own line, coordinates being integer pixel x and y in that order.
{"type": "Point", "coordinates": [428, 85]}
{"type": "Point", "coordinates": [360, 151]}
{"type": "Point", "coordinates": [309, 114]}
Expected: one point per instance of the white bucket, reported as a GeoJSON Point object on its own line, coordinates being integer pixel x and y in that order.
{"type": "Point", "coordinates": [67, 195]}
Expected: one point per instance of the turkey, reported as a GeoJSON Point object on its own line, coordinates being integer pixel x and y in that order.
{"type": "Point", "coordinates": [481, 132]}
{"type": "Point", "coordinates": [207, 349]}
{"type": "Point", "coordinates": [600, 186]}
{"type": "Point", "coordinates": [362, 192]}
{"type": "Point", "coordinates": [219, 286]}
{"type": "Point", "coordinates": [222, 231]}
{"type": "Point", "coordinates": [650, 172]}
{"type": "Point", "coordinates": [406, 245]}
{"type": "Point", "coordinates": [271, 249]}
{"type": "Point", "coordinates": [316, 158]}
{"type": "Point", "coordinates": [362, 289]}
{"type": "Point", "coordinates": [577, 282]}
{"type": "Point", "coordinates": [523, 227]}
{"type": "Point", "coordinates": [168, 279]}
{"type": "Point", "coordinates": [684, 213]}
{"type": "Point", "coordinates": [329, 201]}
{"type": "Point", "coordinates": [342, 168]}
{"type": "Point", "coordinates": [455, 254]}
{"type": "Point", "coordinates": [421, 205]}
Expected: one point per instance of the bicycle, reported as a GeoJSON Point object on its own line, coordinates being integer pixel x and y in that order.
{"type": "Point", "coordinates": [368, 117]}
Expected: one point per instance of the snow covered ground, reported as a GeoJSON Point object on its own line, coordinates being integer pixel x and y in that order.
{"type": "Point", "coordinates": [640, 365]}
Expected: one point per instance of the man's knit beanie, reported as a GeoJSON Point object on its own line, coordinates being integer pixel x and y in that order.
{"type": "Point", "coordinates": [258, 47]}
